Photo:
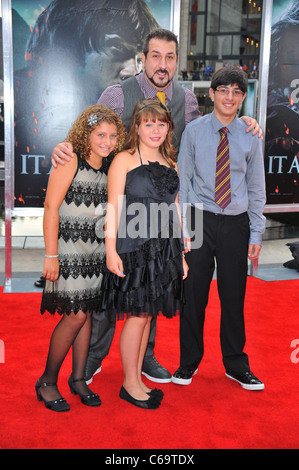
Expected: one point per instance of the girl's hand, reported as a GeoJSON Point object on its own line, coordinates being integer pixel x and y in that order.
{"type": "Point", "coordinates": [185, 268]}
{"type": "Point", "coordinates": [51, 269]}
{"type": "Point", "coordinates": [115, 264]}
{"type": "Point", "coordinates": [187, 245]}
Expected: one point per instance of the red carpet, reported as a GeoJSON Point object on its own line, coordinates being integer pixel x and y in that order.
{"type": "Point", "coordinates": [211, 413]}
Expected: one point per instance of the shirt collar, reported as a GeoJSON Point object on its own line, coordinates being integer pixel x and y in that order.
{"type": "Point", "coordinates": [150, 91]}
{"type": "Point", "coordinates": [217, 125]}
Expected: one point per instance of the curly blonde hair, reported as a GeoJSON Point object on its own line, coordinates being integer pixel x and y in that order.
{"type": "Point", "coordinates": [151, 110]}
{"type": "Point", "coordinates": [92, 117]}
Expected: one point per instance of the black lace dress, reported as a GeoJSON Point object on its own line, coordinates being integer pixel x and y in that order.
{"type": "Point", "coordinates": [149, 243]}
{"type": "Point", "coordinates": [81, 244]}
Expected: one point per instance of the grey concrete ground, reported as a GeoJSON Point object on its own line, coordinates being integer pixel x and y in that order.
{"type": "Point", "coordinates": [27, 262]}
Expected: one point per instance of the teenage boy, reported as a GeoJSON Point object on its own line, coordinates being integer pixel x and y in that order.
{"type": "Point", "coordinates": [232, 198]}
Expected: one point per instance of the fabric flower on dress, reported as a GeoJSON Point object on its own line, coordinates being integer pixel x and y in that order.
{"type": "Point", "coordinates": [163, 178]}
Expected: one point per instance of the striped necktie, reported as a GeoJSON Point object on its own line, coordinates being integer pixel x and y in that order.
{"type": "Point", "coordinates": [222, 182]}
{"type": "Point", "coordinates": [161, 96]}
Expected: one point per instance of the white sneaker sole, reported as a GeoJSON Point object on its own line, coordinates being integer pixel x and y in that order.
{"type": "Point", "coordinates": [260, 386]}
{"type": "Point", "coordinates": [91, 379]}
{"type": "Point", "coordinates": [177, 381]}
{"type": "Point", "coordinates": [156, 379]}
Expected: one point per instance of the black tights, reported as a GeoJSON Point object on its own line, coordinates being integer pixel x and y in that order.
{"type": "Point", "coordinates": [72, 330]}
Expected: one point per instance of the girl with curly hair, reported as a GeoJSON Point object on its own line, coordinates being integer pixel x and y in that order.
{"type": "Point", "coordinates": [75, 249]}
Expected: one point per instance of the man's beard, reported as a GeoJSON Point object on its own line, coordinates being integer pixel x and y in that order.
{"type": "Point", "coordinates": [157, 84]}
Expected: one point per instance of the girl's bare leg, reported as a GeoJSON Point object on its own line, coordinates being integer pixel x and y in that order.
{"type": "Point", "coordinates": [130, 345]}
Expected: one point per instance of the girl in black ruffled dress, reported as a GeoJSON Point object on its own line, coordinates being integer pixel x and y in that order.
{"type": "Point", "coordinates": [144, 247]}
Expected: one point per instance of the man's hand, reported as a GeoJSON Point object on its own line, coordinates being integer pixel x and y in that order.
{"type": "Point", "coordinates": [254, 251]}
{"type": "Point", "coordinates": [62, 153]}
{"type": "Point", "coordinates": [253, 126]}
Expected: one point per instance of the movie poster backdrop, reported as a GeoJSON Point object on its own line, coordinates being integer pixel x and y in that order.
{"type": "Point", "coordinates": [65, 55]}
{"type": "Point", "coordinates": [282, 124]}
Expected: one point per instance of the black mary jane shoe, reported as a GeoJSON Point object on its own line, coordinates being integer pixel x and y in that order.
{"type": "Point", "coordinates": [151, 403]}
{"type": "Point", "coordinates": [60, 404]}
{"type": "Point", "coordinates": [156, 393]}
{"type": "Point", "coordinates": [92, 399]}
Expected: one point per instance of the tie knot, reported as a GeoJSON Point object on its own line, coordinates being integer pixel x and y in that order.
{"type": "Point", "coordinates": [224, 131]}
{"type": "Point", "coordinates": [161, 96]}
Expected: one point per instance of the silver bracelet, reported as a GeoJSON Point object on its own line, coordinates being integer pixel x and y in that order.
{"type": "Point", "coordinates": [51, 256]}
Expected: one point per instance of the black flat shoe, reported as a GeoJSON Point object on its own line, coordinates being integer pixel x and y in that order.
{"type": "Point", "coordinates": [89, 400]}
{"type": "Point", "coordinates": [55, 405]}
{"type": "Point", "coordinates": [41, 282]}
{"type": "Point", "coordinates": [156, 393]}
{"type": "Point", "coordinates": [151, 403]}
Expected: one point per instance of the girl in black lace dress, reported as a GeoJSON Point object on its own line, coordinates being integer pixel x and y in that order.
{"type": "Point", "coordinates": [143, 241]}
{"type": "Point", "coordinates": [75, 253]}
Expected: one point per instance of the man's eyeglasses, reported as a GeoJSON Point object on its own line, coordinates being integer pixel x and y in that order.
{"type": "Point", "coordinates": [226, 91]}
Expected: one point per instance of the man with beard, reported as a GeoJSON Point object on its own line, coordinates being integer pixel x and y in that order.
{"type": "Point", "coordinates": [159, 60]}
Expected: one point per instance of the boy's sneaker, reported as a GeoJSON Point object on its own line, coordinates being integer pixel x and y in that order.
{"type": "Point", "coordinates": [247, 380]}
{"type": "Point", "coordinates": [183, 376]}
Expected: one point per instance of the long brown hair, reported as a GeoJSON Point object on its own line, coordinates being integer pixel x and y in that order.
{"type": "Point", "coordinates": [151, 110]}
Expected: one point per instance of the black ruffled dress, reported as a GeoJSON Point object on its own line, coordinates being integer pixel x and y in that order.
{"type": "Point", "coordinates": [150, 245]}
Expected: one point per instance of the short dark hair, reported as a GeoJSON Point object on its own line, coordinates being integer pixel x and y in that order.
{"type": "Point", "coordinates": [230, 75]}
{"type": "Point", "coordinates": [163, 34]}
